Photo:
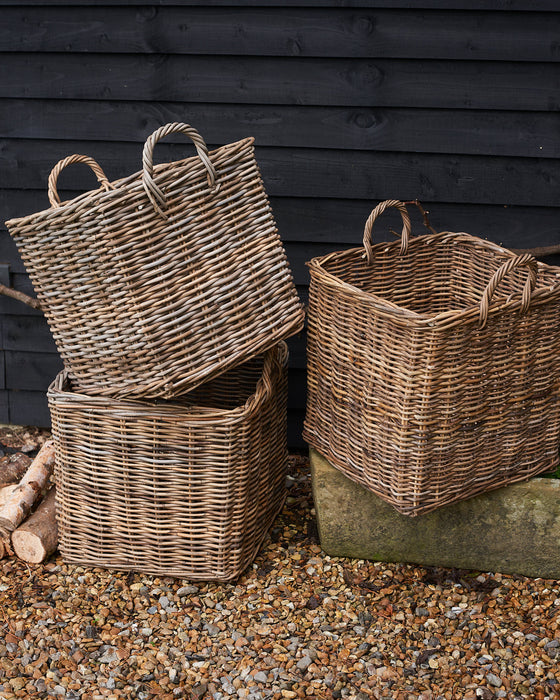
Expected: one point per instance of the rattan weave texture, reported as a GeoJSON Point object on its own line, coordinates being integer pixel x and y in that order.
{"type": "Point", "coordinates": [183, 489]}
{"type": "Point", "coordinates": [162, 280]}
{"type": "Point", "coordinates": [433, 366]}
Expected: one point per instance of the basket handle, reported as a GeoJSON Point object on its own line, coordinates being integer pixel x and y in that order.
{"type": "Point", "coordinates": [155, 194]}
{"type": "Point", "coordinates": [519, 261]}
{"type": "Point", "coordinates": [379, 209]}
{"type": "Point", "coordinates": [54, 199]}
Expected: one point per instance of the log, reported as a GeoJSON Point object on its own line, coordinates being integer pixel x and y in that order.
{"type": "Point", "coordinates": [34, 482]}
{"type": "Point", "coordinates": [37, 537]}
{"type": "Point", "coordinates": [13, 467]}
{"type": "Point", "coordinates": [5, 549]}
{"type": "Point", "coordinates": [6, 493]}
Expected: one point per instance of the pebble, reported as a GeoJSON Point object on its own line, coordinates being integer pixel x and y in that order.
{"type": "Point", "coordinates": [350, 629]}
{"type": "Point", "coordinates": [184, 591]}
{"type": "Point", "coordinates": [494, 680]}
{"type": "Point", "coordinates": [109, 655]}
{"type": "Point", "coordinates": [304, 663]}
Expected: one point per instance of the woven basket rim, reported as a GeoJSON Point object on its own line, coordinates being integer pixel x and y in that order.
{"type": "Point", "coordinates": [442, 320]}
{"type": "Point", "coordinates": [59, 388]}
{"type": "Point", "coordinates": [100, 195]}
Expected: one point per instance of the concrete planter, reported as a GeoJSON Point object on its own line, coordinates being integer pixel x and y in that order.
{"type": "Point", "coordinates": [515, 529]}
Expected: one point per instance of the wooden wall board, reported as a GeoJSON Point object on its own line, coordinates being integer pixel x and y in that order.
{"type": "Point", "coordinates": [331, 173]}
{"type": "Point", "coordinates": [475, 132]}
{"type": "Point", "coordinates": [341, 221]}
{"type": "Point", "coordinates": [31, 371]}
{"type": "Point", "coordinates": [4, 407]}
{"type": "Point", "coordinates": [274, 31]}
{"type": "Point", "coordinates": [454, 5]}
{"type": "Point", "coordinates": [271, 80]}
{"type": "Point", "coordinates": [27, 334]}
{"type": "Point", "coordinates": [22, 283]}
{"type": "Point", "coordinates": [28, 408]}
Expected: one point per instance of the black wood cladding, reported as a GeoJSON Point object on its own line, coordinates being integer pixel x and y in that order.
{"type": "Point", "coordinates": [442, 84]}
{"type": "Point", "coordinates": [315, 173]}
{"type": "Point", "coordinates": [350, 102]}
{"type": "Point", "coordinates": [474, 132]}
{"type": "Point", "coordinates": [273, 31]}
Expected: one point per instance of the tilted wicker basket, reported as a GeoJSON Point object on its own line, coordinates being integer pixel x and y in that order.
{"type": "Point", "coordinates": [433, 366]}
{"type": "Point", "coordinates": [183, 489]}
{"type": "Point", "coordinates": [162, 280]}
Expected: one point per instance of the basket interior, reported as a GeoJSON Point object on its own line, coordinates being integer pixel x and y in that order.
{"type": "Point", "coordinates": [434, 278]}
{"type": "Point", "coordinates": [226, 392]}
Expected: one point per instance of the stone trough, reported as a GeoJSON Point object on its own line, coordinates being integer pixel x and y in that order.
{"type": "Point", "coordinates": [514, 529]}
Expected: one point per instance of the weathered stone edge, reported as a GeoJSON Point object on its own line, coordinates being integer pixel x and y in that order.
{"type": "Point", "coordinates": [514, 529]}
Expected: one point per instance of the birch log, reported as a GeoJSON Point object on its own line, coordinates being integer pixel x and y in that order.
{"type": "Point", "coordinates": [37, 537]}
{"type": "Point", "coordinates": [13, 467]}
{"type": "Point", "coordinates": [15, 510]}
{"type": "Point", "coordinates": [6, 493]}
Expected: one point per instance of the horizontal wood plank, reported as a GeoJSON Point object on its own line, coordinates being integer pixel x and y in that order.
{"type": "Point", "coordinates": [517, 5]}
{"type": "Point", "coordinates": [342, 222]}
{"type": "Point", "coordinates": [297, 81]}
{"type": "Point", "coordinates": [28, 408]}
{"type": "Point", "coordinates": [315, 173]}
{"type": "Point", "coordinates": [273, 31]}
{"type": "Point", "coordinates": [22, 283]}
{"type": "Point", "coordinates": [27, 334]}
{"type": "Point", "coordinates": [479, 132]}
{"type": "Point", "coordinates": [303, 223]}
{"type": "Point", "coordinates": [31, 371]}
{"type": "Point", "coordinates": [4, 407]}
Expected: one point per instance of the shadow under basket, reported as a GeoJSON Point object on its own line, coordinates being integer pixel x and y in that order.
{"type": "Point", "coordinates": [186, 488]}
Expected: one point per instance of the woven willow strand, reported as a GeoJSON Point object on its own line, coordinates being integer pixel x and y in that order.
{"type": "Point", "coordinates": [158, 282]}
{"type": "Point", "coordinates": [184, 489]}
{"type": "Point", "coordinates": [433, 366]}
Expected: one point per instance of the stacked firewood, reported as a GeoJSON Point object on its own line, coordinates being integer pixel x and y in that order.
{"type": "Point", "coordinates": [27, 506]}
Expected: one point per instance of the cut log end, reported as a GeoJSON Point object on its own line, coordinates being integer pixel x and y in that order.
{"type": "Point", "coordinates": [37, 538]}
{"type": "Point", "coordinates": [30, 547]}
{"type": "Point", "coordinates": [29, 490]}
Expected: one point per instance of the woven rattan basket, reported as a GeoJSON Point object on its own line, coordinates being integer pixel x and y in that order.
{"type": "Point", "coordinates": [181, 489]}
{"type": "Point", "coordinates": [433, 366]}
{"type": "Point", "coordinates": [160, 281]}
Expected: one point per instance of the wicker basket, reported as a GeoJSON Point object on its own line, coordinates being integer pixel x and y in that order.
{"type": "Point", "coordinates": [162, 280]}
{"type": "Point", "coordinates": [433, 366]}
{"type": "Point", "coordinates": [181, 489]}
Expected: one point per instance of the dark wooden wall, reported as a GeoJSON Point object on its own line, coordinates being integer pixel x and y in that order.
{"type": "Point", "coordinates": [350, 103]}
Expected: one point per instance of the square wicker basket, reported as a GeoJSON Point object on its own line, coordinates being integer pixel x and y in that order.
{"type": "Point", "coordinates": [184, 489]}
{"type": "Point", "coordinates": [433, 366]}
{"type": "Point", "coordinates": [160, 281]}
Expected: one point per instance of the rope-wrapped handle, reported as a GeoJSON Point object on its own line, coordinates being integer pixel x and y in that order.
{"type": "Point", "coordinates": [155, 194]}
{"type": "Point", "coordinates": [527, 261]}
{"type": "Point", "coordinates": [54, 199]}
{"type": "Point", "coordinates": [379, 209]}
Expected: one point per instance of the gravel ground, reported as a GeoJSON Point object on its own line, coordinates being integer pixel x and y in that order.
{"type": "Point", "coordinates": [297, 624]}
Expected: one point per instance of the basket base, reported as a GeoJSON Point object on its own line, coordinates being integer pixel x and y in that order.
{"type": "Point", "coordinates": [211, 573]}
